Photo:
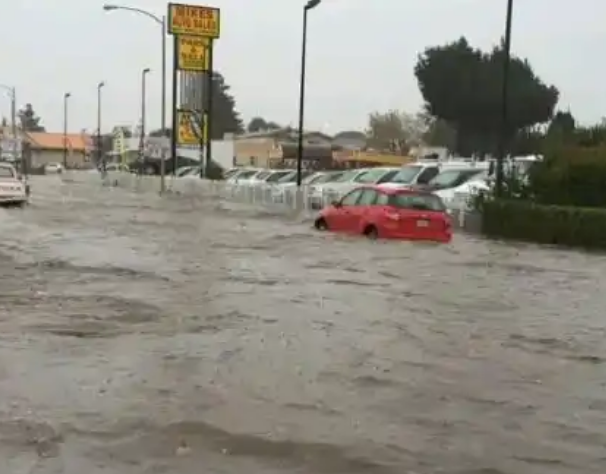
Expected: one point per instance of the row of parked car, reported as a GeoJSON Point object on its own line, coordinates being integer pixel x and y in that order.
{"type": "Point", "coordinates": [455, 182]}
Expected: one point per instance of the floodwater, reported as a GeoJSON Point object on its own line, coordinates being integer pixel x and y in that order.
{"type": "Point", "coordinates": [187, 336]}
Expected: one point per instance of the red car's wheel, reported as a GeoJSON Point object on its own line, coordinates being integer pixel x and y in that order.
{"type": "Point", "coordinates": [371, 232]}
{"type": "Point", "coordinates": [320, 224]}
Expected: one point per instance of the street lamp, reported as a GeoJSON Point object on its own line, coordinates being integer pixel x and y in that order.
{"type": "Point", "coordinates": [100, 160]}
{"type": "Point", "coordinates": [162, 22]}
{"type": "Point", "coordinates": [308, 6]}
{"type": "Point", "coordinates": [504, 101]}
{"type": "Point", "coordinates": [12, 93]}
{"type": "Point", "coordinates": [144, 74]}
{"type": "Point", "coordinates": [66, 96]}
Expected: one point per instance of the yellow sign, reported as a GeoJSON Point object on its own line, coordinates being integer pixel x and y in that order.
{"type": "Point", "coordinates": [194, 20]}
{"type": "Point", "coordinates": [193, 53]}
{"type": "Point", "coordinates": [187, 135]}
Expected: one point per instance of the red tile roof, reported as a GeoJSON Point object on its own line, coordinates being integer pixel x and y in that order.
{"type": "Point", "coordinates": [55, 141]}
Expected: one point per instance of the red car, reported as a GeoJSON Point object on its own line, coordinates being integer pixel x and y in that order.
{"type": "Point", "coordinates": [388, 213]}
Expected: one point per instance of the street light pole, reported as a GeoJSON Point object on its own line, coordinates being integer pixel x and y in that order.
{"type": "Point", "coordinates": [66, 96]}
{"type": "Point", "coordinates": [504, 102]}
{"type": "Point", "coordinates": [144, 74]}
{"type": "Point", "coordinates": [12, 94]}
{"type": "Point", "coordinates": [310, 5]}
{"type": "Point", "coordinates": [162, 22]}
{"type": "Point", "coordinates": [100, 157]}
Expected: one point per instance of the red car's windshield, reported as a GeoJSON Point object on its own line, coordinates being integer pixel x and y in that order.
{"type": "Point", "coordinates": [423, 202]}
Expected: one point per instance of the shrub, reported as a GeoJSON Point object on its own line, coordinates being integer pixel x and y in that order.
{"type": "Point", "coordinates": [544, 224]}
{"type": "Point", "coordinates": [570, 176]}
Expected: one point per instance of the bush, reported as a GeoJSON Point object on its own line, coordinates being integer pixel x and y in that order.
{"type": "Point", "coordinates": [557, 225]}
{"type": "Point", "coordinates": [570, 176]}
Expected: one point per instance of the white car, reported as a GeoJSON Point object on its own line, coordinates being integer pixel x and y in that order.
{"type": "Point", "coordinates": [13, 191]}
{"type": "Point", "coordinates": [193, 172]}
{"type": "Point", "coordinates": [353, 179]}
{"type": "Point", "coordinates": [288, 184]}
{"type": "Point", "coordinates": [461, 197]}
{"type": "Point", "coordinates": [53, 168]}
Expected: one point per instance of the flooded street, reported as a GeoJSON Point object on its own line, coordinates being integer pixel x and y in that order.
{"type": "Point", "coordinates": [186, 336]}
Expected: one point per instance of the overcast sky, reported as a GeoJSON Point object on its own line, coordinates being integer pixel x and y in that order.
{"type": "Point", "coordinates": [361, 55]}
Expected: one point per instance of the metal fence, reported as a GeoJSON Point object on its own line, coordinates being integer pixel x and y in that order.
{"type": "Point", "coordinates": [280, 199]}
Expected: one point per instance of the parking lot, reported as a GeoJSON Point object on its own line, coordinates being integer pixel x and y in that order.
{"type": "Point", "coordinates": [187, 334]}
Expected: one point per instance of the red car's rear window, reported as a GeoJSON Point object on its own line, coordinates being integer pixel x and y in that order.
{"type": "Point", "coordinates": [422, 202]}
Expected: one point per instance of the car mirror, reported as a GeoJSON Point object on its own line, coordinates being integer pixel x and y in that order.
{"type": "Point", "coordinates": [336, 204]}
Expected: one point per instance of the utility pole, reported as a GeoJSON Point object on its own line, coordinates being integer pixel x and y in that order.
{"type": "Point", "coordinates": [66, 96]}
{"type": "Point", "coordinates": [144, 74]}
{"type": "Point", "coordinates": [100, 157]}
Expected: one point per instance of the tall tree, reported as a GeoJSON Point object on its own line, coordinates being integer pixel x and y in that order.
{"type": "Point", "coordinates": [30, 122]}
{"type": "Point", "coordinates": [562, 123]}
{"type": "Point", "coordinates": [440, 133]}
{"type": "Point", "coordinates": [226, 118]}
{"type": "Point", "coordinates": [394, 130]}
{"type": "Point", "coordinates": [259, 124]}
{"type": "Point", "coordinates": [462, 86]}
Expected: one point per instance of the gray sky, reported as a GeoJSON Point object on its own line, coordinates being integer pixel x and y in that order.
{"type": "Point", "coordinates": [361, 55]}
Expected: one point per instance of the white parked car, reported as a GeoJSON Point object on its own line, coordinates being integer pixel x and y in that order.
{"type": "Point", "coordinates": [13, 190]}
{"type": "Point", "coordinates": [53, 168]}
{"type": "Point", "coordinates": [461, 197]}
{"type": "Point", "coordinates": [288, 184]}
{"type": "Point", "coordinates": [325, 193]}
{"type": "Point", "coordinates": [193, 172]}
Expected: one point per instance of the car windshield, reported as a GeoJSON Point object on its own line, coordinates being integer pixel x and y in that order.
{"type": "Point", "coordinates": [313, 178]}
{"type": "Point", "coordinates": [346, 177]}
{"type": "Point", "coordinates": [245, 174]}
{"type": "Point", "coordinates": [6, 172]}
{"type": "Point", "coordinates": [183, 171]}
{"type": "Point", "coordinates": [422, 202]}
{"type": "Point", "coordinates": [371, 176]}
{"type": "Point", "coordinates": [230, 173]}
{"type": "Point", "coordinates": [275, 177]}
{"type": "Point", "coordinates": [406, 175]}
{"type": "Point", "coordinates": [330, 177]}
{"type": "Point", "coordinates": [262, 175]}
{"type": "Point", "coordinates": [453, 177]}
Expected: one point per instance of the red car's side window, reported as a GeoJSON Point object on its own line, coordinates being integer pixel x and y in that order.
{"type": "Point", "coordinates": [351, 199]}
{"type": "Point", "coordinates": [382, 199]}
{"type": "Point", "coordinates": [368, 198]}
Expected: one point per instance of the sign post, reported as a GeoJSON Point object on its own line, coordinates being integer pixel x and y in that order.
{"type": "Point", "coordinates": [194, 29]}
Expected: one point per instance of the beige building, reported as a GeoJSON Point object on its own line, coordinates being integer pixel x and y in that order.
{"type": "Point", "coordinates": [266, 149]}
{"type": "Point", "coordinates": [41, 148]}
{"type": "Point", "coordinates": [49, 148]}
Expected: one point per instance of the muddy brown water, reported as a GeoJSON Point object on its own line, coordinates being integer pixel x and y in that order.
{"type": "Point", "coordinates": [181, 335]}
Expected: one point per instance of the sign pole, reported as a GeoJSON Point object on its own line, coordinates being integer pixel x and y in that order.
{"type": "Point", "coordinates": [175, 126]}
{"type": "Point", "coordinates": [203, 169]}
{"type": "Point", "coordinates": [209, 108]}
{"type": "Point", "coordinates": [194, 29]}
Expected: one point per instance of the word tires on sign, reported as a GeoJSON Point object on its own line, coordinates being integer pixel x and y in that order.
{"type": "Point", "coordinates": [194, 20]}
{"type": "Point", "coordinates": [193, 53]}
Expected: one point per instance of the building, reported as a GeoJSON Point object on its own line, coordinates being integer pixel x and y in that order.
{"type": "Point", "coordinates": [45, 148]}
{"type": "Point", "coordinates": [271, 148]}
{"type": "Point", "coordinates": [350, 140]}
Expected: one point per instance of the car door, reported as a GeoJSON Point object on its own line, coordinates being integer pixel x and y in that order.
{"type": "Point", "coordinates": [342, 217]}
{"type": "Point", "coordinates": [360, 213]}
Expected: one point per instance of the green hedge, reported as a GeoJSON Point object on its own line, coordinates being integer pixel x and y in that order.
{"type": "Point", "coordinates": [557, 225]}
{"type": "Point", "coordinates": [570, 176]}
